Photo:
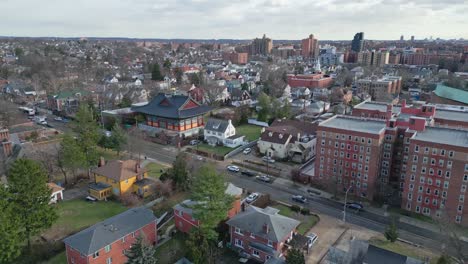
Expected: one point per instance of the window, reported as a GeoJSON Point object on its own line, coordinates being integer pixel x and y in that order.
{"type": "Point", "coordinates": [460, 208]}
{"type": "Point", "coordinates": [96, 254]}
{"type": "Point", "coordinates": [238, 242]}
{"type": "Point", "coordinates": [449, 164]}
{"type": "Point", "coordinates": [416, 148]}
{"type": "Point", "coordinates": [421, 180]}
{"type": "Point", "coordinates": [426, 150]}
{"type": "Point", "coordinates": [458, 219]}
{"type": "Point", "coordinates": [434, 151]}
{"type": "Point", "coordinates": [109, 261]}
{"type": "Point", "coordinates": [410, 196]}
{"type": "Point", "coordinates": [252, 235]}
{"type": "Point", "coordinates": [255, 253]}
{"type": "Point", "coordinates": [426, 211]}
{"type": "Point", "coordinates": [446, 184]}
{"type": "Point", "coordinates": [123, 239]}
{"type": "Point", "coordinates": [451, 153]}
{"type": "Point", "coordinates": [418, 209]}
{"type": "Point", "coordinates": [412, 177]}
{"type": "Point", "coordinates": [463, 188]}
{"type": "Point", "coordinates": [107, 248]}
{"type": "Point", "coordinates": [461, 198]}
{"type": "Point", "coordinates": [447, 174]}
{"type": "Point", "coordinates": [442, 152]}
{"type": "Point", "coordinates": [425, 159]}
{"type": "Point", "coordinates": [429, 181]}
{"type": "Point", "coordinates": [465, 177]}
{"type": "Point", "coordinates": [238, 231]}
{"type": "Point", "coordinates": [426, 200]}
{"type": "Point", "coordinates": [72, 260]}
{"type": "Point", "coordinates": [133, 234]}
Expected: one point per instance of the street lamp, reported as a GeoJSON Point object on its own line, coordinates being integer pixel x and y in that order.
{"type": "Point", "coordinates": [345, 201]}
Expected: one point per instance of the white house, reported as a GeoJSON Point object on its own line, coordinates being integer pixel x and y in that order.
{"type": "Point", "coordinates": [221, 132]}
{"type": "Point", "coordinates": [57, 192]}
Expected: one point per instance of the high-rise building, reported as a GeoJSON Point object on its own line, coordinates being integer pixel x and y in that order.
{"type": "Point", "coordinates": [412, 38]}
{"type": "Point", "coordinates": [402, 38]}
{"type": "Point", "coordinates": [375, 58]}
{"type": "Point", "coordinates": [261, 46]}
{"type": "Point", "coordinates": [310, 47]}
{"type": "Point", "coordinates": [357, 44]}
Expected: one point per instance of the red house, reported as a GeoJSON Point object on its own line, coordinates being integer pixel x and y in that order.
{"type": "Point", "coordinates": [261, 233]}
{"type": "Point", "coordinates": [183, 213]}
{"type": "Point", "coordinates": [108, 241]}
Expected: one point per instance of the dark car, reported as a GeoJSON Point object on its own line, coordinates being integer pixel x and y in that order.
{"type": "Point", "coordinates": [354, 205]}
{"type": "Point", "coordinates": [299, 198]}
{"type": "Point", "coordinates": [248, 173]}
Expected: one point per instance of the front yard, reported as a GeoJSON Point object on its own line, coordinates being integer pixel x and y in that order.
{"type": "Point", "coordinates": [218, 150]}
{"type": "Point", "coordinates": [307, 221]}
{"type": "Point", "coordinates": [155, 169]}
{"type": "Point", "coordinates": [251, 132]}
{"type": "Point", "coordinates": [403, 249]}
{"type": "Point", "coordinates": [75, 215]}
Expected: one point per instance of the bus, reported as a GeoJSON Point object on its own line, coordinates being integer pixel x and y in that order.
{"type": "Point", "coordinates": [27, 110]}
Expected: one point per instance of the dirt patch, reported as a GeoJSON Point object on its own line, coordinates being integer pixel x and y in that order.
{"type": "Point", "coordinates": [328, 230]}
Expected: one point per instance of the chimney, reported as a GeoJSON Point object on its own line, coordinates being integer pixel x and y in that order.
{"type": "Point", "coordinates": [270, 134]}
{"type": "Point", "coordinates": [137, 167]}
{"type": "Point", "coordinates": [229, 122]}
{"type": "Point", "coordinates": [102, 162]}
{"type": "Point", "coordinates": [266, 228]}
{"type": "Point", "coordinates": [389, 113]}
{"type": "Point", "coordinates": [298, 136]}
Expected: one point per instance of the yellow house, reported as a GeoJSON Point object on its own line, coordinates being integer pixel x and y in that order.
{"type": "Point", "coordinates": [118, 177]}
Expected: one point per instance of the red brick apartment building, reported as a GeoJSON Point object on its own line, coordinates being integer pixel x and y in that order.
{"type": "Point", "coordinates": [108, 241]}
{"type": "Point", "coordinates": [236, 57]}
{"type": "Point", "coordinates": [183, 213]}
{"type": "Point", "coordinates": [316, 80]}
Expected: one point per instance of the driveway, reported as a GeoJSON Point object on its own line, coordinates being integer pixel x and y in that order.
{"type": "Point", "coordinates": [75, 193]}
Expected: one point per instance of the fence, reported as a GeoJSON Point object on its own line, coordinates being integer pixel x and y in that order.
{"type": "Point", "coordinates": [240, 149]}
{"type": "Point", "coordinates": [257, 123]}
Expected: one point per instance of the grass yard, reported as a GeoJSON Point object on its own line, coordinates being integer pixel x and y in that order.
{"type": "Point", "coordinates": [108, 154]}
{"type": "Point", "coordinates": [166, 205]}
{"type": "Point", "coordinates": [76, 215]}
{"type": "Point", "coordinates": [307, 222]}
{"type": "Point", "coordinates": [154, 169]}
{"type": "Point", "coordinates": [251, 132]}
{"type": "Point", "coordinates": [172, 250]}
{"type": "Point", "coordinates": [218, 150]}
{"type": "Point", "coordinates": [58, 259]}
{"type": "Point", "coordinates": [403, 249]}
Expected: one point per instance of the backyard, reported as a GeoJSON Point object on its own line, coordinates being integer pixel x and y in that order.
{"type": "Point", "coordinates": [403, 249]}
{"type": "Point", "coordinates": [218, 150]}
{"type": "Point", "coordinates": [307, 221]}
{"type": "Point", "coordinates": [154, 169]}
{"type": "Point", "coordinates": [172, 250]}
{"type": "Point", "coordinates": [167, 204]}
{"type": "Point", "coordinates": [251, 132]}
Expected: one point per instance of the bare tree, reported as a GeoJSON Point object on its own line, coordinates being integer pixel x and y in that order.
{"type": "Point", "coordinates": [452, 237]}
{"type": "Point", "coordinates": [213, 92]}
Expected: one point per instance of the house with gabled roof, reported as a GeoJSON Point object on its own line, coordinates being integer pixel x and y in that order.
{"type": "Point", "coordinates": [261, 233]}
{"type": "Point", "coordinates": [221, 132]}
{"type": "Point", "coordinates": [173, 114]}
{"type": "Point", "coordinates": [108, 241]}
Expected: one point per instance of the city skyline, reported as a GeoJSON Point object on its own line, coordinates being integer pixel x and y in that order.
{"type": "Point", "coordinates": [208, 19]}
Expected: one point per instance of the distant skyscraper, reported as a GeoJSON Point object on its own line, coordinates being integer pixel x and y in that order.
{"type": "Point", "coordinates": [310, 47]}
{"type": "Point", "coordinates": [412, 38]}
{"type": "Point", "coordinates": [261, 46]}
{"type": "Point", "coordinates": [357, 44]}
{"type": "Point", "coordinates": [402, 38]}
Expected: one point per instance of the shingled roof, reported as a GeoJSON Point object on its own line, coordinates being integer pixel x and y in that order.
{"type": "Point", "coordinates": [112, 229]}
{"type": "Point", "coordinates": [254, 219]}
{"type": "Point", "coordinates": [175, 106]}
{"type": "Point", "coordinates": [217, 125]}
{"type": "Point", "coordinates": [119, 170]}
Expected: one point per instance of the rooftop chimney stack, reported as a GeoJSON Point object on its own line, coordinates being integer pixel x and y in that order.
{"type": "Point", "coordinates": [102, 162]}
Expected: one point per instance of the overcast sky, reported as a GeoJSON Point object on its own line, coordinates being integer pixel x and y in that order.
{"type": "Point", "coordinates": [238, 19]}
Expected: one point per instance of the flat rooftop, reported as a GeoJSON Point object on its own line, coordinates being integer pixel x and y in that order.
{"type": "Point", "coordinates": [382, 107]}
{"type": "Point", "coordinates": [364, 125]}
{"type": "Point", "coordinates": [441, 135]}
{"type": "Point", "coordinates": [452, 115]}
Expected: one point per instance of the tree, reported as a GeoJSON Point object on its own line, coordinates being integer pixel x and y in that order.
{"type": "Point", "coordinates": [178, 173]}
{"type": "Point", "coordinates": [126, 102]}
{"type": "Point", "coordinates": [178, 74]}
{"type": "Point", "coordinates": [156, 73]}
{"type": "Point", "coordinates": [198, 247]}
{"type": "Point", "coordinates": [444, 259]}
{"type": "Point", "coordinates": [264, 102]}
{"type": "Point", "coordinates": [245, 86]}
{"type": "Point", "coordinates": [285, 110]}
{"type": "Point", "coordinates": [118, 138]}
{"type": "Point", "coordinates": [295, 256]}
{"type": "Point", "coordinates": [213, 204]}
{"type": "Point", "coordinates": [27, 182]}
{"type": "Point", "coordinates": [391, 233]}
{"type": "Point", "coordinates": [86, 128]}
{"type": "Point", "coordinates": [19, 52]}
{"type": "Point", "coordinates": [141, 253]}
{"type": "Point", "coordinates": [167, 64]}
{"type": "Point", "coordinates": [10, 230]}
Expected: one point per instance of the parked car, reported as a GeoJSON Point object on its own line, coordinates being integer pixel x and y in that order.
{"type": "Point", "coordinates": [200, 158]}
{"type": "Point", "coordinates": [299, 198]}
{"type": "Point", "coordinates": [311, 239]}
{"type": "Point", "coordinates": [313, 192]}
{"type": "Point", "coordinates": [58, 118]}
{"type": "Point", "coordinates": [248, 173]}
{"type": "Point", "coordinates": [90, 199]}
{"type": "Point", "coordinates": [355, 205]}
{"type": "Point", "coordinates": [194, 142]}
{"type": "Point", "coordinates": [264, 178]}
{"type": "Point", "coordinates": [268, 159]}
{"type": "Point", "coordinates": [247, 151]}
{"type": "Point", "coordinates": [233, 168]}
{"type": "Point", "coordinates": [252, 197]}
{"type": "Point", "coordinates": [108, 133]}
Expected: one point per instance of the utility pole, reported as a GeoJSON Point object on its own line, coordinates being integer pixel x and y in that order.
{"type": "Point", "coordinates": [346, 200]}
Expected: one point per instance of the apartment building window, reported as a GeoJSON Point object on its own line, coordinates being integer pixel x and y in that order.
{"type": "Point", "coordinates": [444, 195]}
{"type": "Point", "coordinates": [238, 231]}
{"type": "Point", "coordinates": [426, 200]}
{"type": "Point", "coordinates": [460, 208]}
{"type": "Point", "coordinates": [463, 188]}
{"type": "Point", "coordinates": [412, 177]}
{"type": "Point", "coordinates": [465, 177]}
{"type": "Point", "coordinates": [432, 161]}
{"type": "Point", "coordinates": [341, 154]}
{"type": "Point", "coordinates": [96, 254]}
{"type": "Point", "coordinates": [355, 147]}
{"type": "Point", "coordinates": [343, 137]}
{"type": "Point", "coordinates": [408, 206]}
{"type": "Point", "coordinates": [429, 181]}
{"type": "Point", "coordinates": [407, 140]}
{"type": "Point", "coordinates": [449, 164]}
{"type": "Point", "coordinates": [415, 158]}
{"type": "Point", "coordinates": [414, 167]}
{"type": "Point", "coordinates": [337, 144]}
{"type": "Point", "coordinates": [431, 171]}
{"type": "Point", "coordinates": [434, 201]}
{"type": "Point", "coordinates": [439, 172]}
{"type": "Point", "coordinates": [367, 159]}
{"type": "Point", "coordinates": [322, 151]}
{"type": "Point", "coordinates": [363, 140]}
{"type": "Point", "coordinates": [451, 153]}
{"type": "Point", "coordinates": [420, 189]}
{"type": "Point", "coordinates": [406, 149]}
{"type": "Point", "coordinates": [458, 219]}
{"type": "Point", "coordinates": [324, 134]}
{"type": "Point", "coordinates": [411, 187]}
{"type": "Point", "coordinates": [361, 148]}
{"type": "Point", "coordinates": [368, 150]}
{"type": "Point", "coordinates": [447, 174]}
{"type": "Point", "coordinates": [410, 196]}
{"type": "Point", "coordinates": [418, 209]}
{"type": "Point", "coordinates": [434, 151]}
{"type": "Point", "coordinates": [255, 253]}
{"type": "Point", "coordinates": [436, 192]}
{"type": "Point", "coordinates": [442, 152]}
{"type": "Point", "coordinates": [238, 242]}
{"type": "Point", "coordinates": [107, 248]}
{"type": "Point", "coordinates": [425, 159]}
{"type": "Point", "coordinates": [365, 177]}
{"type": "Point", "coordinates": [428, 190]}
{"type": "Point", "coordinates": [461, 198]}
{"type": "Point", "coordinates": [426, 150]}
{"type": "Point", "coordinates": [369, 141]}
{"type": "Point", "coordinates": [348, 146]}
{"type": "Point", "coordinates": [366, 168]}
{"type": "Point", "coordinates": [423, 170]}
{"type": "Point", "coordinates": [402, 176]}
{"type": "Point", "coordinates": [446, 184]}
{"type": "Point", "coordinates": [416, 148]}
{"type": "Point", "coordinates": [323, 142]}
{"type": "Point", "coordinates": [441, 163]}
{"type": "Point", "coordinates": [426, 211]}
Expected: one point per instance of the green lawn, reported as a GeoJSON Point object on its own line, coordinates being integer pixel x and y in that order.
{"type": "Point", "coordinates": [58, 259]}
{"type": "Point", "coordinates": [307, 222]}
{"type": "Point", "coordinates": [401, 248]}
{"type": "Point", "coordinates": [251, 132]}
{"type": "Point", "coordinates": [75, 215]}
{"type": "Point", "coordinates": [219, 150]}
{"type": "Point", "coordinates": [154, 169]}
{"type": "Point", "coordinates": [108, 154]}
{"type": "Point", "coordinates": [172, 250]}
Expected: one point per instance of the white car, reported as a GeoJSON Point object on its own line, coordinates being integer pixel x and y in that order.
{"type": "Point", "coordinates": [252, 197]}
{"type": "Point", "coordinates": [268, 159]}
{"type": "Point", "coordinates": [247, 151]}
{"type": "Point", "coordinates": [311, 239]}
{"type": "Point", "coordinates": [233, 168]}
{"type": "Point", "coordinates": [58, 118]}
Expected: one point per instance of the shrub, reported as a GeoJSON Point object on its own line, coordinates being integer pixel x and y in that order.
{"type": "Point", "coordinates": [305, 211]}
{"type": "Point", "coordinates": [296, 208]}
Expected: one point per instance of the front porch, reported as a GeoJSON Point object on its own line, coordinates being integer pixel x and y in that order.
{"type": "Point", "coordinates": [100, 191]}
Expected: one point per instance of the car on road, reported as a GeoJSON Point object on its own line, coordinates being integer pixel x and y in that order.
{"type": "Point", "coordinates": [313, 192]}
{"type": "Point", "coordinates": [355, 205]}
{"type": "Point", "coordinates": [268, 159]}
{"type": "Point", "coordinates": [264, 178]}
{"type": "Point", "coordinates": [311, 239]}
{"type": "Point", "coordinates": [194, 142]}
{"type": "Point", "coordinates": [248, 173]}
{"type": "Point", "coordinates": [58, 118]}
{"type": "Point", "coordinates": [233, 168]}
{"type": "Point", "coordinates": [299, 198]}
{"type": "Point", "coordinates": [252, 197]}
{"type": "Point", "coordinates": [247, 151]}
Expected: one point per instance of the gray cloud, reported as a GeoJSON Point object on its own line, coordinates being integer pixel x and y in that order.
{"type": "Point", "coordinates": [285, 19]}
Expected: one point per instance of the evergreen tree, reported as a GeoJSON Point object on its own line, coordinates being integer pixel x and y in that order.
{"type": "Point", "coordinates": [198, 247]}
{"type": "Point", "coordinates": [167, 64]}
{"type": "Point", "coordinates": [156, 73]}
{"type": "Point", "coordinates": [87, 131]}
{"type": "Point", "coordinates": [126, 102]}
{"type": "Point", "coordinates": [391, 233]}
{"type": "Point", "coordinates": [71, 154]}
{"type": "Point", "coordinates": [285, 111]}
{"type": "Point", "coordinates": [178, 173]}
{"type": "Point", "coordinates": [118, 138]}
{"type": "Point", "coordinates": [264, 102]}
{"type": "Point", "coordinates": [245, 86]}
{"type": "Point", "coordinates": [213, 204]}
{"type": "Point", "coordinates": [27, 182]}
{"type": "Point", "coordinates": [295, 256]}
{"type": "Point", "coordinates": [444, 259]}
{"type": "Point", "coordinates": [141, 253]}
{"type": "Point", "coordinates": [10, 229]}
